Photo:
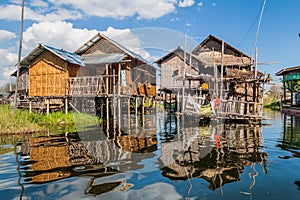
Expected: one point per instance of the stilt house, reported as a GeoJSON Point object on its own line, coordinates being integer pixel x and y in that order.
{"type": "Point", "coordinates": [116, 68]}
{"type": "Point", "coordinates": [229, 73]}
{"type": "Point", "coordinates": [291, 84]}
{"type": "Point", "coordinates": [228, 65]}
{"type": "Point", "coordinates": [99, 68]}
{"type": "Point", "coordinates": [176, 66]}
{"type": "Point", "coordinates": [49, 69]}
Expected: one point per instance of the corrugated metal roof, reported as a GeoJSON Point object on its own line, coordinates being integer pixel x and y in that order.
{"type": "Point", "coordinates": [65, 55]}
{"type": "Point", "coordinates": [103, 58]}
{"type": "Point", "coordinates": [285, 71]}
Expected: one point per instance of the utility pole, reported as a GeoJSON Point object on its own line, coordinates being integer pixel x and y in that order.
{"type": "Point", "coordinates": [19, 56]}
{"type": "Point", "coordinates": [256, 56]}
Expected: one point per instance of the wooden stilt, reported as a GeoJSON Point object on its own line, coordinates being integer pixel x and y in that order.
{"type": "Point", "coordinates": [177, 103]}
{"type": "Point", "coordinates": [107, 108]}
{"type": "Point", "coordinates": [30, 106]}
{"type": "Point", "coordinates": [143, 105]}
{"type": "Point", "coordinates": [119, 94]}
{"type": "Point", "coordinates": [114, 99]}
{"type": "Point", "coordinates": [128, 106]}
{"type": "Point", "coordinates": [136, 106]}
{"type": "Point", "coordinates": [66, 105]}
{"type": "Point", "coordinates": [48, 106]}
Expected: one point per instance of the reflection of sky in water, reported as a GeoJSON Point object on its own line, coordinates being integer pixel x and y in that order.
{"type": "Point", "coordinates": [141, 174]}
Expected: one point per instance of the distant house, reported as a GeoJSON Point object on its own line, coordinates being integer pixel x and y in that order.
{"type": "Point", "coordinates": [291, 83]}
{"type": "Point", "coordinates": [49, 69]}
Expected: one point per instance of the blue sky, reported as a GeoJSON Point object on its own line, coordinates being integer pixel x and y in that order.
{"type": "Point", "coordinates": [151, 28]}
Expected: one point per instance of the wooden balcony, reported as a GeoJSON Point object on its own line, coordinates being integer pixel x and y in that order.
{"type": "Point", "coordinates": [227, 109]}
{"type": "Point", "coordinates": [87, 86]}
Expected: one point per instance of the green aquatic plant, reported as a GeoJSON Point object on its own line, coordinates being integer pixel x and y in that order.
{"type": "Point", "coordinates": [24, 122]}
{"type": "Point", "coordinates": [17, 122]}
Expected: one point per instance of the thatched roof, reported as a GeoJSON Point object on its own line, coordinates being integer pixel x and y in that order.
{"type": "Point", "coordinates": [212, 58]}
{"type": "Point", "coordinates": [237, 73]}
{"type": "Point", "coordinates": [210, 52]}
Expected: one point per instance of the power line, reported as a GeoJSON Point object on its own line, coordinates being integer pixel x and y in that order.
{"type": "Point", "coordinates": [251, 27]}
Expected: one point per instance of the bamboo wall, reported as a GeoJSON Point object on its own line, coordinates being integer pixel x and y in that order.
{"type": "Point", "coordinates": [48, 75]}
{"type": "Point", "coordinates": [172, 71]}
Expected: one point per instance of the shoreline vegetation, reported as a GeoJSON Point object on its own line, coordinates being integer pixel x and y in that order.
{"type": "Point", "coordinates": [23, 122]}
{"type": "Point", "coordinates": [271, 102]}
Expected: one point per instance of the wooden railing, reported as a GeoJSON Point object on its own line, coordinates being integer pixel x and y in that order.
{"type": "Point", "coordinates": [229, 108]}
{"type": "Point", "coordinates": [86, 85]}
{"type": "Point", "coordinates": [240, 108]}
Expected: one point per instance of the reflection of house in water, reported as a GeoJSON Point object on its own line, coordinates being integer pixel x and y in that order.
{"type": "Point", "coordinates": [218, 156]}
{"type": "Point", "coordinates": [291, 135]}
{"type": "Point", "coordinates": [57, 157]}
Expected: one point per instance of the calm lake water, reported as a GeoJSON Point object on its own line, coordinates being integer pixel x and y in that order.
{"type": "Point", "coordinates": [157, 156]}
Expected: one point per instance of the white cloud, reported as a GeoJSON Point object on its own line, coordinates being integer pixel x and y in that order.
{"type": "Point", "coordinates": [127, 39]}
{"type": "Point", "coordinates": [6, 35]}
{"type": "Point", "coordinates": [186, 3]}
{"type": "Point", "coordinates": [174, 19]}
{"type": "Point", "coordinates": [188, 24]}
{"type": "Point", "coordinates": [214, 4]}
{"type": "Point", "coordinates": [63, 35]}
{"type": "Point", "coordinates": [13, 12]}
{"type": "Point", "coordinates": [7, 62]}
{"type": "Point", "coordinates": [200, 4]}
{"type": "Point", "coordinates": [38, 3]}
{"type": "Point", "coordinates": [121, 8]}
{"type": "Point", "coordinates": [7, 58]}
{"type": "Point", "coordinates": [57, 34]}
{"type": "Point", "coordinates": [55, 10]}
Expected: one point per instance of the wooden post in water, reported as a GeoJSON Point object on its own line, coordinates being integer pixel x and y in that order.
{"type": "Point", "coordinates": [30, 106]}
{"type": "Point", "coordinates": [107, 93]}
{"type": "Point", "coordinates": [119, 94]}
{"type": "Point", "coordinates": [48, 106]}
{"type": "Point", "coordinates": [114, 99]}
{"type": "Point", "coordinates": [128, 106]}
{"type": "Point", "coordinates": [136, 106]}
{"type": "Point", "coordinates": [143, 105]}
{"type": "Point", "coordinates": [222, 70]}
{"type": "Point", "coordinates": [66, 105]}
{"type": "Point", "coordinates": [177, 102]}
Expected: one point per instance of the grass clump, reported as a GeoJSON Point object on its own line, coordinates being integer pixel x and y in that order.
{"type": "Point", "coordinates": [25, 122]}
{"type": "Point", "coordinates": [18, 122]}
